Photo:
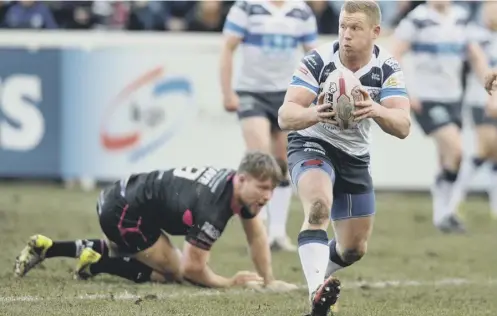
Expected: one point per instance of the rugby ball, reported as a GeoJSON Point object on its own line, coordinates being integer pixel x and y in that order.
{"type": "Point", "coordinates": [341, 90]}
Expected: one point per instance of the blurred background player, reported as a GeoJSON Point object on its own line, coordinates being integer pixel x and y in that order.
{"type": "Point", "coordinates": [335, 175]}
{"type": "Point", "coordinates": [436, 35]}
{"type": "Point", "coordinates": [270, 34]}
{"type": "Point", "coordinates": [484, 113]}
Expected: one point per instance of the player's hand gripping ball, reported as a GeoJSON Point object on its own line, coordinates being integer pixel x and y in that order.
{"type": "Point", "coordinates": [341, 90]}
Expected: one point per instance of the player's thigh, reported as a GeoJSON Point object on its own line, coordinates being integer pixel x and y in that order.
{"type": "Point", "coordinates": [279, 146]}
{"type": "Point", "coordinates": [353, 217]}
{"type": "Point", "coordinates": [436, 116]}
{"type": "Point", "coordinates": [312, 175]}
{"type": "Point", "coordinates": [255, 124]}
{"type": "Point", "coordinates": [274, 100]}
{"type": "Point", "coordinates": [442, 121]}
{"type": "Point", "coordinates": [130, 231]}
{"type": "Point", "coordinates": [162, 256]}
{"type": "Point", "coordinates": [448, 140]}
{"type": "Point", "coordinates": [486, 132]}
{"type": "Point", "coordinates": [354, 204]}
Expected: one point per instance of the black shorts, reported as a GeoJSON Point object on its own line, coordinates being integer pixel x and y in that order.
{"type": "Point", "coordinates": [435, 115]}
{"type": "Point", "coordinates": [125, 224]}
{"type": "Point", "coordinates": [353, 194]}
{"type": "Point", "coordinates": [481, 118]}
{"type": "Point", "coordinates": [262, 104]}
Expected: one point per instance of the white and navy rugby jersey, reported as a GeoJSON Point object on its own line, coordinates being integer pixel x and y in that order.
{"type": "Point", "coordinates": [271, 37]}
{"type": "Point", "coordinates": [475, 94]}
{"type": "Point", "coordinates": [438, 46]}
{"type": "Point", "coordinates": [382, 77]}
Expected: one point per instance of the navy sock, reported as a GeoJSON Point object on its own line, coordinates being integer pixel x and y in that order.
{"type": "Point", "coordinates": [477, 162]}
{"type": "Point", "coordinates": [447, 176]}
{"type": "Point", "coordinates": [73, 248]}
{"type": "Point", "coordinates": [126, 268]}
{"type": "Point", "coordinates": [334, 257]}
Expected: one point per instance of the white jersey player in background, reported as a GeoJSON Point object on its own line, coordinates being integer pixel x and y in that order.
{"type": "Point", "coordinates": [436, 34]}
{"type": "Point", "coordinates": [271, 34]}
{"type": "Point", "coordinates": [484, 112]}
{"type": "Point", "coordinates": [330, 167]}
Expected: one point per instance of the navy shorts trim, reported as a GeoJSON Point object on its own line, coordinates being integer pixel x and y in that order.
{"type": "Point", "coordinates": [347, 206]}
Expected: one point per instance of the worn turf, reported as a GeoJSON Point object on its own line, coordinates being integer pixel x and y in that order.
{"type": "Point", "coordinates": [430, 273]}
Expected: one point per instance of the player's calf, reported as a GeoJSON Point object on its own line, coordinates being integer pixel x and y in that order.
{"type": "Point", "coordinates": [278, 207]}
{"type": "Point", "coordinates": [91, 264]}
{"type": "Point", "coordinates": [162, 257]}
{"type": "Point", "coordinates": [492, 192]}
{"type": "Point", "coordinates": [352, 216]}
{"type": "Point", "coordinates": [315, 189]}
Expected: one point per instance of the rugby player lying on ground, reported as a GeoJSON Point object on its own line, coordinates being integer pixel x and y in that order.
{"type": "Point", "coordinates": [136, 213]}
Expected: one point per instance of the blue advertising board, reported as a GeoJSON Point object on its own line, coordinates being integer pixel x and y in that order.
{"type": "Point", "coordinates": [30, 111]}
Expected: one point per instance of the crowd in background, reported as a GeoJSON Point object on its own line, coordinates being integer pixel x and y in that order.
{"type": "Point", "coordinates": [198, 16]}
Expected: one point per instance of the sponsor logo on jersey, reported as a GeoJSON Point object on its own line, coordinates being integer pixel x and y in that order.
{"type": "Point", "coordinates": [393, 64]}
{"type": "Point", "coordinates": [391, 82]}
{"type": "Point", "coordinates": [311, 61]}
{"type": "Point", "coordinates": [210, 231]}
{"type": "Point", "coordinates": [146, 113]}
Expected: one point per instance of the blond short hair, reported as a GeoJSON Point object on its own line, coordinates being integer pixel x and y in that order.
{"type": "Point", "coordinates": [261, 166]}
{"type": "Point", "coordinates": [369, 7]}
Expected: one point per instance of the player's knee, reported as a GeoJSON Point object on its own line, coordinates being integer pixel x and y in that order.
{"type": "Point", "coordinates": [282, 163]}
{"type": "Point", "coordinates": [165, 278]}
{"type": "Point", "coordinates": [452, 157]}
{"type": "Point", "coordinates": [352, 255]}
{"type": "Point", "coordinates": [283, 166]}
{"type": "Point", "coordinates": [319, 212]}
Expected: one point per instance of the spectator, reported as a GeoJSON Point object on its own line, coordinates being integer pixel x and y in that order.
{"type": "Point", "coordinates": [73, 14]}
{"type": "Point", "coordinates": [207, 17]}
{"type": "Point", "coordinates": [4, 7]}
{"type": "Point", "coordinates": [29, 15]}
{"type": "Point", "coordinates": [326, 17]}
{"type": "Point", "coordinates": [144, 16]}
{"type": "Point", "coordinates": [110, 14]}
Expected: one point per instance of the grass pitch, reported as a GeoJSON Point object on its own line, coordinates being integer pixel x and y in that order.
{"type": "Point", "coordinates": [411, 269]}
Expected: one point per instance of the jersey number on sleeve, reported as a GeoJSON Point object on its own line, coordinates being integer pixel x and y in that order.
{"type": "Point", "coordinates": [188, 173]}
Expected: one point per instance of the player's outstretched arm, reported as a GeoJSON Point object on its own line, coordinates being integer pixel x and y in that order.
{"type": "Point", "coordinates": [230, 99]}
{"type": "Point", "coordinates": [261, 256]}
{"type": "Point", "coordinates": [395, 119]}
{"type": "Point", "coordinates": [196, 270]}
{"type": "Point", "coordinates": [259, 247]}
{"type": "Point", "coordinates": [479, 62]}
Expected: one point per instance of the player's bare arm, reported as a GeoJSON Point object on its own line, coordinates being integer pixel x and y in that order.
{"type": "Point", "coordinates": [395, 118]}
{"type": "Point", "coordinates": [230, 99]}
{"type": "Point", "coordinates": [259, 248]}
{"type": "Point", "coordinates": [479, 61]}
{"type": "Point", "coordinates": [196, 270]}
{"type": "Point", "coordinates": [296, 113]}
{"type": "Point", "coordinates": [392, 115]}
{"type": "Point", "coordinates": [400, 48]}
